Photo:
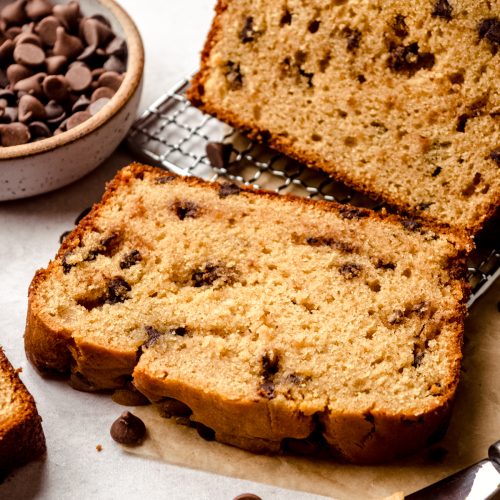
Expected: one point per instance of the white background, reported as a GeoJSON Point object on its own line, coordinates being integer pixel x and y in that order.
{"type": "Point", "coordinates": [173, 32]}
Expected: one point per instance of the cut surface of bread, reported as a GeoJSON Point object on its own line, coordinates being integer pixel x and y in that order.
{"type": "Point", "coordinates": [399, 99]}
{"type": "Point", "coordinates": [21, 434]}
{"type": "Point", "coordinates": [271, 317]}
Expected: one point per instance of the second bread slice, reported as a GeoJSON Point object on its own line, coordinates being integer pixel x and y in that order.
{"type": "Point", "coordinates": [269, 317]}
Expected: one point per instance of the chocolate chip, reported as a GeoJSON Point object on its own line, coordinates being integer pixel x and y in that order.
{"type": "Point", "coordinates": [68, 14]}
{"type": "Point", "coordinates": [6, 51]}
{"type": "Point", "coordinates": [399, 26]}
{"type": "Point", "coordinates": [9, 115]}
{"type": "Point", "coordinates": [300, 446]}
{"type": "Point", "coordinates": [26, 37]}
{"type": "Point", "coordinates": [30, 108]}
{"type": "Point", "coordinates": [117, 47]}
{"type": "Point", "coordinates": [96, 106]}
{"type": "Point", "coordinates": [442, 8]}
{"type": "Point", "coordinates": [31, 85]}
{"type": "Point", "coordinates": [266, 390]}
{"type": "Point", "coordinates": [13, 12]}
{"type": "Point", "coordinates": [350, 271]}
{"type": "Point", "coordinates": [17, 72]}
{"type": "Point", "coordinates": [56, 87]}
{"type": "Point", "coordinates": [36, 9]}
{"type": "Point", "coordinates": [407, 58]}
{"type": "Point", "coordinates": [424, 205]}
{"type": "Point", "coordinates": [218, 154]}
{"type": "Point", "coordinates": [14, 134]}
{"type": "Point", "coordinates": [110, 79]}
{"type": "Point", "coordinates": [286, 18]}
{"type": "Point", "coordinates": [382, 264]}
{"type": "Point", "coordinates": [495, 156]}
{"type": "Point", "coordinates": [81, 104]}
{"type": "Point", "coordinates": [67, 45]}
{"type": "Point", "coordinates": [164, 179]}
{"type": "Point", "coordinates": [95, 32]}
{"type": "Point", "coordinates": [396, 317]}
{"type": "Point", "coordinates": [77, 119]}
{"type": "Point", "coordinates": [210, 273]}
{"type": "Point", "coordinates": [418, 355]}
{"type": "Point", "coordinates": [205, 432]}
{"type": "Point", "coordinates": [39, 130]}
{"type": "Point", "coordinates": [47, 30]}
{"type": "Point", "coordinates": [490, 29]}
{"type": "Point", "coordinates": [308, 76]}
{"type": "Point", "coordinates": [318, 241]}
{"type": "Point", "coordinates": [185, 209]}
{"type": "Point", "coordinates": [436, 172]}
{"type": "Point", "coordinates": [270, 364]}
{"type": "Point", "coordinates": [117, 290]}
{"type": "Point", "coordinates": [128, 429]}
{"type": "Point", "coordinates": [129, 397]}
{"type": "Point", "coordinates": [228, 189]}
{"type": "Point", "coordinates": [247, 496]}
{"type": "Point", "coordinates": [102, 93]}
{"type": "Point", "coordinates": [65, 264]}
{"type": "Point", "coordinates": [130, 259]}
{"type": "Point", "coordinates": [55, 64]}
{"type": "Point", "coordinates": [55, 113]}
{"type": "Point", "coordinates": [28, 54]}
{"type": "Point", "coordinates": [411, 225]}
{"type": "Point", "coordinates": [233, 75]}
{"type": "Point", "coordinates": [78, 77]}
{"type": "Point", "coordinates": [313, 26]}
{"type": "Point", "coordinates": [153, 336]}
{"type": "Point", "coordinates": [348, 212]}
{"type": "Point", "coordinates": [248, 33]}
{"type": "Point", "coordinates": [462, 122]}
{"type": "Point", "coordinates": [109, 245]}
{"type": "Point", "coordinates": [115, 64]}
{"type": "Point", "coordinates": [353, 37]}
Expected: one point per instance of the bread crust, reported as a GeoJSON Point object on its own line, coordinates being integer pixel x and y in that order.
{"type": "Point", "coordinates": [254, 425]}
{"type": "Point", "coordinates": [195, 95]}
{"type": "Point", "coordinates": [21, 436]}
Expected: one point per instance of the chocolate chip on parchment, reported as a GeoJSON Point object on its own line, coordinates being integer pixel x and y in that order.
{"type": "Point", "coordinates": [228, 189]}
{"type": "Point", "coordinates": [218, 154]}
{"type": "Point", "coordinates": [442, 8]}
{"type": "Point", "coordinates": [128, 429]}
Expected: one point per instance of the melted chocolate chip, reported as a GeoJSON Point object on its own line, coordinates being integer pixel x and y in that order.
{"type": "Point", "coordinates": [266, 390]}
{"type": "Point", "coordinates": [436, 172]}
{"type": "Point", "coordinates": [495, 156]}
{"type": "Point", "coordinates": [164, 179]}
{"type": "Point", "coordinates": [153, 336]}
{"type": "Point", "coordinates": [209, 274]}
{"type": "Point", "coordinates": [383, 264]}
{"type": "Point", "coordinates": [170, 407]}
{"type": "Point", "coordinates": [399, 26]}
{"type": "Point", "coordinates": [270, 364]}
{"type": "Point", "coordinates": [286, 18]}
{"type": "Point", "coordinates": [408, 59]}
{"type": "Point", "coordinates": [234, 75]}
{"type": "Point", "coordinates": [130, 259]}
{"type": "Point", "coordinates": [331, 242]}
{"type": "Point", "coordinates": [442, 8]}
{"type": "Point", "coordinates": [308, 76]}
{"type": "Point", "coordinates": [185, 209]}
{"type": "Point", "coordinates": [248, 33]}
{"type": "Point", "coordinates": [128, 429]}
{"type": "Point", "coordinates": [462, 122]}
{"type": "Point", "coordinates": [117, 290]}
{"type": "Point", "coordinates": [218, 154]}
{"type": "Point", "coordinates": [353, 37]}
{"type": "Point", "coordinates": [350, 271]}
{"type": "Point", "coordinates": [348, 212]}
{"type": "Point", "coordinates": [490, 29]}
{"type": "Point", "coordinates": [228, 189]}
{"type": "Point", "coordinates": [205, 432]}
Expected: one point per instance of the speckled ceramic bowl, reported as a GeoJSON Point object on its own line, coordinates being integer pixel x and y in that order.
{"type": "Point", "coordinates": [42, 166]}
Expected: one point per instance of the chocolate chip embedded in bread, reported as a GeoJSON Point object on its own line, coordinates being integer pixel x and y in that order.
{"type": "Point", "coordinates": [170, 407]}
{"type": "Point", "coordinates": [130, 259]}
{"type": "Point", "coordinates": [234, 76]}
{"type": "Point", "coordinates": [117, 290]}
{"type": "Point", "coordinates": [153, 336]}
{"type": "Point", "coordinates": [396, 317]}
{"type": "Point", "coordinates": [411, 225]}
{"type": "Point", "coordinates": [185, 209]}
{"type": "Point", "coordinates": [442, 8]}
{"type": "Point", "coordinates": [128, 429]}
{"type": "Point", "coordinates": [348, 212]}
{"type": "Point", "coordinates": [270, 363]}
{"type": "Point", "coordinates": [248, 32]}
{"type": "Point", "coordinates": [218, 154]}
{"type": "Point", "coordinates": [210, 273]}
{"type": "Point", "coordinates": [490, 29]}
{"type": "Point", "coordinates": [399, 26]}
{"type": "Point", "coordinates": [409, 59]}
{"type": "Point", "coordinates": [353, 37]}
{"type": "Point", "coordinates": [436, 172]}
{"type": "Point", "coordinates": [495, 156]}
{"type": "Point", "coordinates": [350, 271]}
{"type": "Point", "coordinates": [205, 432]}
{"type": "Point", "coordinates": [266, 390]}
{"type": "Point", "coordinates": [418, 355]}
{"type": "Point", "coordinates": [164, 179]}
{"type": "Point", "coordinates": [228, 189]}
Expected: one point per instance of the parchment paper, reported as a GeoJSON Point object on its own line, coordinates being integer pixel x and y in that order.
{"type": "Point", "coordinates": [474, 426]}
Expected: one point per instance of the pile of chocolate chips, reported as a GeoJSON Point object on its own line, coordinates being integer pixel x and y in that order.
{"type": "Point", "coordinates": [57, 68]}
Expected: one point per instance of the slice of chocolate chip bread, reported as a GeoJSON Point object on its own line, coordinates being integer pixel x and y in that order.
{"type": "Point", "coordinates": [398, 99]}
{"type": "Point", "coordinates": [21, 434]}
{"type": "Point", "coordinates": [269, 317]}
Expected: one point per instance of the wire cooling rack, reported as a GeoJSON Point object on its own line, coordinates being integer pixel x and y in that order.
{"type": "Point", "coordinates": [173, 134]}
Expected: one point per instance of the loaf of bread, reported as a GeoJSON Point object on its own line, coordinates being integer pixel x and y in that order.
{"type": "Point", "coordinates": [268, 318]}
{"type": "Point", "coordinates": [21, 434]}
{"type": "Point", "coordinates": [398, 99]}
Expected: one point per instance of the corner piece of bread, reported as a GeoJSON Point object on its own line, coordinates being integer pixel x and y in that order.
{"type": "Point", "coordinates": [21, 434]}
{"type": "Point", "coordinates": [270, 317]}
{"type": "Point", "coordinates": [397, 99]}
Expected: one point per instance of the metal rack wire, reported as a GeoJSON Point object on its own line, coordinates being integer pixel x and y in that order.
{"type": "Point", "coordinates": [173, 134]}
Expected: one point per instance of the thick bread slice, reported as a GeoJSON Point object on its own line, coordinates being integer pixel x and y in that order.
{"type": "Point", "coordinates": [399, 99]}
{"type": "Point", "coordinates": [269, 316]}
{"type": "Point", "coordinates": [21, 434]}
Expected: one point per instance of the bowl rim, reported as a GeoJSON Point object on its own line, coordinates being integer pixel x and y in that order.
{"type": "Point", "coordinates": [131, 82]}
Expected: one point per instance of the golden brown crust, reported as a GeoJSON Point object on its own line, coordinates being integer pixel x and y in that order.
{"type": "Point", "coordinates": [195, 94]}
{"type": "Point", "coordinates": [21, 436]}
{"type": "Point", "coordinates": [255, 425]}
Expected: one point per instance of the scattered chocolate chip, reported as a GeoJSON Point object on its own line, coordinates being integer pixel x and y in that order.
{"type": "Point", "coordinates": [185, 209]}
{"type": "Point", "coordinates": [117, 290]}
{"type": "Point", "coordinates": [164, 179]}
{"type": "Point", "coordinates": [353, 37]}
{"type": "Point", "coordinates": [399, 26]}
{"type": "Point", "coordinates": [128, 429]}
{"type": "Point", "coordinates": [247, 496]}
{"type": "Point", "coordinates": [130, 259]}
{"type": "Point", "coordinates": [228, 189]}
{"type": "Point", "coordinates": [129, 397]}
{"type": "Point", "coordinates": [62, 238]}
{"type": "Point", "coordinates": [442, 8]}
{"type": "Point", "coordinates": [407, 58]}
{"type": "Point", "coordinates": [266, 390]}
{"type": "Point", "coordinates": [308, 76]}
{"type": "Point", "coordinates": [233, 75]}
{"type": "Point", "coordinates": [205, 432]}
{"type": "Point", "coordinates": [490, 29]}
{"type": "Point", "coordinates": [218, 154]}
{"type": "Point", "coordinates": [350, 271]}
{"type": "Point", "coordinates": [436, 172]}
{"type": "Point", "coordinates": [248, 33]}
{"type": "Point", "coordinates": [495, 156]}
{"type": "Point", "coordinates": [411, 225]}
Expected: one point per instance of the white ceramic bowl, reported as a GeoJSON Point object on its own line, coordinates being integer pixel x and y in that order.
{"type": "Point", "coordinates": [42, 166]}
